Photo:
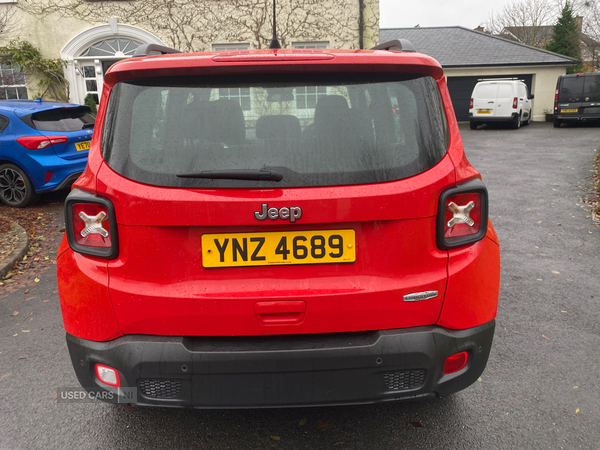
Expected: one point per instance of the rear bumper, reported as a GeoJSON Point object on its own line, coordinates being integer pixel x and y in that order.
{"type": "Point", "coordinates": [577, 117]}
{"type": "Point", "coordinates": [283, 371]}
{"type": "Point", "coordinates": [488, 119]}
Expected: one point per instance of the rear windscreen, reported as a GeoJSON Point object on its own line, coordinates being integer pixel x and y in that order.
{"type": "Point", "coordinates": [571, 89]}
{"type": "Point", "coordinates": [591, 88]}
{"type": "Point", "coordinates": [487, 90]}
{"type": "Point", "coordinates": [313, 130]}
{"type": "Point", "coordinates": [62, 120]}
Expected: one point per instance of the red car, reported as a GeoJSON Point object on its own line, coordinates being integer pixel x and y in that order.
{"type": "Point", "coordinates": [273, 228]}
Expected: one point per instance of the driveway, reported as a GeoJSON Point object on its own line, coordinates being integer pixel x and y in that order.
{"type": "Point", "coordinates": [540, 390]}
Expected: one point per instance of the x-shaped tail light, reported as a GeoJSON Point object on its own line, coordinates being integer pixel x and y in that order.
{"type": "Point", "coordinates": [461, 214]}
{"type": "Point", "coordinates": [93, 224]}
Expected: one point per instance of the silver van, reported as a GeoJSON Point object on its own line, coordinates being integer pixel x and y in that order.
{"type": "Point", "coordinates": [500, 100]}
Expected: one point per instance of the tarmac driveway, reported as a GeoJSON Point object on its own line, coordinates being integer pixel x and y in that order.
{"type": "Point", "coordinates": [540, 390]}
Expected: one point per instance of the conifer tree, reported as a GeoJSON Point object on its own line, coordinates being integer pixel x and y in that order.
{"type": "Point", "coordinates": [565, 38]}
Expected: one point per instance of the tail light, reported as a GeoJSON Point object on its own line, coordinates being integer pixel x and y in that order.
{"type": "Point", "coordinates": [471, 104]}
{"type": "Point", "coordinates": [515, 103]}
{"type": "Point", "coordinates": [462, 215]}
{"type": "Point", "coordinates": [40, 142]}
{"type": "Point", "coordinates": [91, 225]}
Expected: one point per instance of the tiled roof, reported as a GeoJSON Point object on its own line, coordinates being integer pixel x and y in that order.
{"type": "Point", "coordinates": [462, 47]}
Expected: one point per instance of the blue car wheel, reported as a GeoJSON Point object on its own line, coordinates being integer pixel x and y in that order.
{"type": "Point", "coordinates": [15, 188]}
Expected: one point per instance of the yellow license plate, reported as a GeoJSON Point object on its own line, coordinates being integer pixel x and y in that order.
{"type": "Point", "coordinates": [484, 111]}
{"type": "Point", "coordinates": [568, 110]}
{"type": "Point", "coordinates": [278, 248]}
{"type": "Point", "coordinates": [85, 145]}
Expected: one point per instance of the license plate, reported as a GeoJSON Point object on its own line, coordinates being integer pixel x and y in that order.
{"type": "Point", "coordinates": [278, 248]}
{"type": "Point", "coordinates": [484, 111]}
{"type": "Point", "coordinates": [85, 145]}
{"type": "Point", "coordinates": [568, 110]}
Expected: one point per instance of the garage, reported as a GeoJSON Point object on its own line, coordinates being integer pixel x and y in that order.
{"type": "Point", "coordinates": [469, 55]}
{"type": "Point", "coordinates": [461, 89]}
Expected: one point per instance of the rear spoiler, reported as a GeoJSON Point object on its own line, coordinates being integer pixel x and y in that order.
{"type": "Point", "coordinates": [147, 49]}
{"type": "Point", "coordinates": [398, 45]}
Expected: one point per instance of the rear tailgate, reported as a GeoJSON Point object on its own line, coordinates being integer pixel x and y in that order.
{"type": "Point", "coordinates": [163, 286]}
{"type": "Point", "coordinates": [484, 100]}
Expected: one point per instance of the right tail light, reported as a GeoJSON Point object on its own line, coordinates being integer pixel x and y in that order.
{"type": "Point", "coordinates": [462, 215]}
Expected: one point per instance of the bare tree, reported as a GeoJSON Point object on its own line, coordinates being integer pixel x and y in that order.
{"type": "Point", "coordinates": [590, 47]}
{"type": "Point", "coordinates": [524, 20]}
{"type": "Point", "coordinates": [8, 24]}
{"type": "Point", "coordinates": [193, 25]}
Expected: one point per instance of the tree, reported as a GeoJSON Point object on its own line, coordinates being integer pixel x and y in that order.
{"type": "Point", "coordinates": [590, 46]}
{"type": "Point", "coordinates": [530, 21]}
{"type": "Point", "coordinates": [193, 25]}
{"type": "Point", "coordinates": [566, 38]}
{"type": "Point", "coordinates": [524, 20]}
{"type": "Point", "coordinates": [8, 24]}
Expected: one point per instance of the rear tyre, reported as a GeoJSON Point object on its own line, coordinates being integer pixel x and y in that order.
{"type": "Point", "coordinates": [473, 125]}
{"type": "Point", "coordinates": [516, 123]}
{"type": "Point", "coordinates": [15, 187]}
{"type": "Point", "coordinates": [557, 123]}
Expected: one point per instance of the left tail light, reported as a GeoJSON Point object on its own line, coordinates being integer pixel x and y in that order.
{"type": "Point", "coordinates": [471, 104]}
{"type": "Point", "coordinates": [40, 142]}
{"type": "Point", "coordinates": [462, 215]}
{"type": "Point", "coordinates": [91, 225]}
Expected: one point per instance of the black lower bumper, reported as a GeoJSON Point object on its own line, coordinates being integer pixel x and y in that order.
{"type": "Point", "coordinates": [282, 371]}
{"type": "Point", "coordinates": [493, 119]}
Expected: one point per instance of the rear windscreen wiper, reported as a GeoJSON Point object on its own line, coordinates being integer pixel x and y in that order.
{"type": "Point", "coordinates": [235, 174]}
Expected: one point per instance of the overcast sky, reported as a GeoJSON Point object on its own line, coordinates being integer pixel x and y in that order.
{"type": "Point", "coordinates": [437, 13]}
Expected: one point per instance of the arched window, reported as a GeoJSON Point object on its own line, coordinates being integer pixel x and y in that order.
{"type": "Point", "coordinates": [90, 53]}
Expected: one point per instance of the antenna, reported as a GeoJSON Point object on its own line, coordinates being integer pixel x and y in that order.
{"type": "Point", "coordinates": [274, 42]}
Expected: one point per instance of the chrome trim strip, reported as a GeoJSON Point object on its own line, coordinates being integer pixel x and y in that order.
{"type": "Point", "coordinates": [418, 296]}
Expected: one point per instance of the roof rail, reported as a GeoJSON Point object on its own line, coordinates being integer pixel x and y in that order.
{"type": "Point", "coordinates": [146, 49]}
{"type": "Point", "coordinates": [501, 79]}
{"type": "Point", "coordinates": [402, 45]}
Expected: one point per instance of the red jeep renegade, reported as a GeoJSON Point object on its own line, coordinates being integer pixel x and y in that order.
{"type": "Point", "coordinates": [277, 228]}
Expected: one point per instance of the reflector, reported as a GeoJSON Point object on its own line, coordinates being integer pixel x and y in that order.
{"type": "Point", "coordinates": [456, 362]}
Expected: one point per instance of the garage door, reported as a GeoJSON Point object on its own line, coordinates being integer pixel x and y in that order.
{"type": "Point", "coordinates": [461, 89]}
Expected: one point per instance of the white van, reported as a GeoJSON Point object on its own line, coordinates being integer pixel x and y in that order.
{"type": "Point", "coordinates": [500, 100]}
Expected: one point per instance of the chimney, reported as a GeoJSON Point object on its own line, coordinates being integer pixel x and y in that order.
{"type": "Point", "coordinates": [579, 22]}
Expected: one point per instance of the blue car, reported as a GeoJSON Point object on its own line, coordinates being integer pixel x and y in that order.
{"type": "Point", "coordinates": [43, 147]}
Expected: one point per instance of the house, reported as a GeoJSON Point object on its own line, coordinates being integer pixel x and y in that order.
{"type": "Point", "coordinates": [541, 36]}
{"type": "Point", "coordinates": [469, 55]}
{"type": "Point", "coordinates": [90, 35]}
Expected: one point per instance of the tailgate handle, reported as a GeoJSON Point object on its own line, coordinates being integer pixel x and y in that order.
{"type": "Point", "coordinates": [280, 312]}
